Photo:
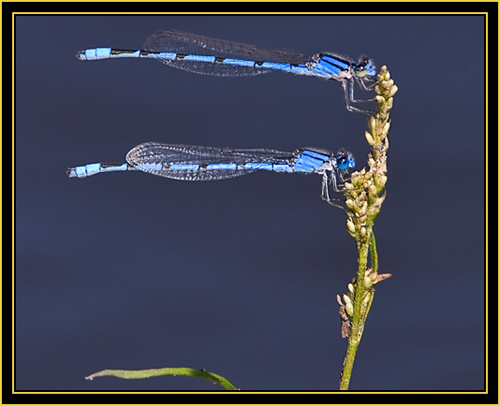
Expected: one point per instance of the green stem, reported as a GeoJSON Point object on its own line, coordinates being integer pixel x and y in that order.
{"type": "Point", "coordinates": [373, 253]}
{"type": "Point", "coordinates": [364, 197]}
{"type": "Point", "coordinates": [357, 317]}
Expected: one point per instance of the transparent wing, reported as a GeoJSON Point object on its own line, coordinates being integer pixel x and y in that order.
{"type": "Point", "coordinates": [165, 160]}
{"type": "Point", "coordinates": [188, 43]}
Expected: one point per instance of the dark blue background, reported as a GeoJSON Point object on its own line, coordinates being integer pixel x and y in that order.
{"type": "Point", "coordinates": [133, 271]}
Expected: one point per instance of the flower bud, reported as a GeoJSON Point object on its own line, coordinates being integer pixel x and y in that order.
{"type": "Point", "coordinates": [350, 226]}
{"type": "Point", "coordinates": [350, 205]}
{"type": "Point", "coordinates": [369, 138]}
{"type": "Point", "coordinates": [349, 308]}
{"type": "Point", "coordinates": [393, 91]}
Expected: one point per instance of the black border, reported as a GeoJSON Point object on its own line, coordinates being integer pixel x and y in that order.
{"type": "Point", "coordinates": [9, 9]}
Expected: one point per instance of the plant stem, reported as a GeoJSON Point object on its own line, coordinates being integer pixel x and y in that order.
{"type": "Point", "coordinates": [373, 253]}
{"type": "Point", "coordinates": [357, 321]}
{"type": "Point", "coordinates": [364, 197]}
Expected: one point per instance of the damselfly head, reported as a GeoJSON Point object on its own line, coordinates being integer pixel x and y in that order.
{"type": "Point", "coordinates": [344, 159]}
{"type": "Point", "coordinates": [365, 68]}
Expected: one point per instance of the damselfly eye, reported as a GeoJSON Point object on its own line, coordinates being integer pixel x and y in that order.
{"type": "Point", "coordinates": [345, 160]}
{"type": "Point", "coordinates": [365, 67]}
{"type": "Point", "coordinates": [342, 163]}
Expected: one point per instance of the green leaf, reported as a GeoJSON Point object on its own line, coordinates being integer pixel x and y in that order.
{"type": "Point", "coordinates": [148, 373]}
